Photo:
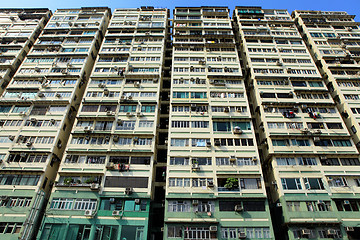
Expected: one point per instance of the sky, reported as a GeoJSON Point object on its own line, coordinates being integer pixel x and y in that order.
{"type": "Point", "coordinates": [350, 6]}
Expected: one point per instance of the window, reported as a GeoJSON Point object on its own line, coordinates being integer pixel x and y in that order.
{"type": "Point", "coordinates": [293, 206]}
{"type": "Point", "coordinates": [307, 161]}
{"type": "Point", "coordinates": [174, 232]}
{"type": "Point", "coordinates": [179, 206]}
{"type": "Point", "coordinates": [350, 161]}
{"type": "Point", "coordinates": [291, 183]}
{"type": "Point", "coordinates": [250, 232]}
{"type": "Point", "coordinates": [179, 161]}
{"type": "Point", "coordinates": [146, 124]}
{"type": "Point", "coordinates": [320, 206]}
{"type": "Point", "coordinates": [337, 181]}
{"type": "Point", "coordinates": [30, 180]}
{"type": "Point", "coordinates": [313, 183]}
{"type": "Point", "coordinates": [180, 142]}
{"type": "Point", "coordinates": [286, 161]}
{"type": "Point", "coordinates": [250, 183]}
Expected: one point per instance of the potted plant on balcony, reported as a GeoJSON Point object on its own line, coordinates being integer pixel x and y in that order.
{"type": "Point", "coordinates": [68, 180]}
{"type": "Point", "coordinates": [231, 183]}
{"type": "Point", "coordinates": [90, 180]}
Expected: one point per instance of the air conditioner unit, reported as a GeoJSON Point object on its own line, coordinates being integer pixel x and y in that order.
{"type": "Point", "coordinates": [89, 213]}
{"type": "Point", "coordinates": [155, 80]}
{"type": "Point", "coordinates": [320, 202]}
{"type": "Point", "coordinates": [239, 208]}
{"type": "Point", "coordinates": [278, 204]}
{"type": "Point", "coordinates": [346, 202]}
{"type": "Point", "coordinates": [116, 213]}
{"type": "Point", "coordinates": [4, 198]}
{"type": "Point", "coordinates": [136, 84]}
{"type": "Point", "coordinates": [226, 109]}
{"type": "Point", "coordinates": [37, 69]}
{"type": "Point", "coordinates": [22, 113]}
{"type": "Point", "coordinates": [29, 144]}
{"type": "Point", "coordinates": [40, 94]}
{"type": "Point", "coordinates": [213, 228]}
{"type": "Point", "coordinates": [217, 143]}
{"type": "Point", "coordinates": [58, 95]}
{"type": "Point", "coordinates": [116, 138]}
{"type": "Point", "coordinates": [316, 139]}
{"type": "Point", "coordinates": [136, 139]}
{"type": "Point", "coordinates": [110, 113]}
{"type": "Point", "coordinates": [88, 129]}
{"type": "Point", "coordinates": [11, 137]}
{"type": "Point", "coordinates": [331, 232]}
{"type": "Point", "coordinates": [94, 186]}
{"type": "Point", "coordinates": [101, 85]}
{"type": "Point", "coordinates": [237, 130]}
{"type": "Point", "coordinates": [45, 84]}
{"type": "Point", "coordinates": [110, 165]}
{"type": "Point", "coordinates": [305, 232]}
{"type": "Point", "coordinates": [137, 201]}
{"type": "Point", "coordinates": [210, 183]}
{"type": "Point", "coordinates": [305, 130]}
{"type": "Point", "coordinates": [128, 191]}
{"type": "Point", "coordinates": [195, 167]}
{"type": "Point", "coordinates": [129, 114]}
{"type": "Point", "coordinates": [349, 229]}
{"type": "Point", "coordinates": [279, 63]}
{"type": "Point", "coordinates": [106, 91]}
{"type": "Point", "coordinates": [232, 159]}
{"type": "Point", "coordinates": [208, 144]}
{"type": "Point", "coordinates": [242, 235]}
{"type": "Point", "coordinates": [129, 98]}
{"type": "Point", "coordinates": [254, 159]}
{"type": "Point", "coordinates": [139, 114]}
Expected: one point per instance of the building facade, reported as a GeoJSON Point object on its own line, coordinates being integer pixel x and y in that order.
{"type": "Point", "coordinates": [19, 30]}
{"type": "Point", "coordinates": [21, 183]}
{"type": "Point", "coordinates": [333, 39]}
{"type": "Point", "coordinates": [105, 184]}
{"type": "Point", "coordinates": [307, 152]}
{"type": "Point", "coordinates": [40, 105]}
{"type": "Point", "coordinates": [132, 125]}
{"type": "Point", "coordinates": [215, 187]}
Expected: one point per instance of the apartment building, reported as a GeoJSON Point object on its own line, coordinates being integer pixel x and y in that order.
{"type": "Point", "coordinates": [105, 180]}
{"type": "Point", "coordinates": [38, 109]}
{"type": "Point", "coordinates": [307, 152]}
{"type": "Point", "coordinates": [19, 29]}
{"type": "Point", "coordinates": [215, 187]}
{"type": "Point", "coordinates": [334, 41]}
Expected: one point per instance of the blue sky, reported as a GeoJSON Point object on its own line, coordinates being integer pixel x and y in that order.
{"type": "Point", "coordinates": [351, 6]}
